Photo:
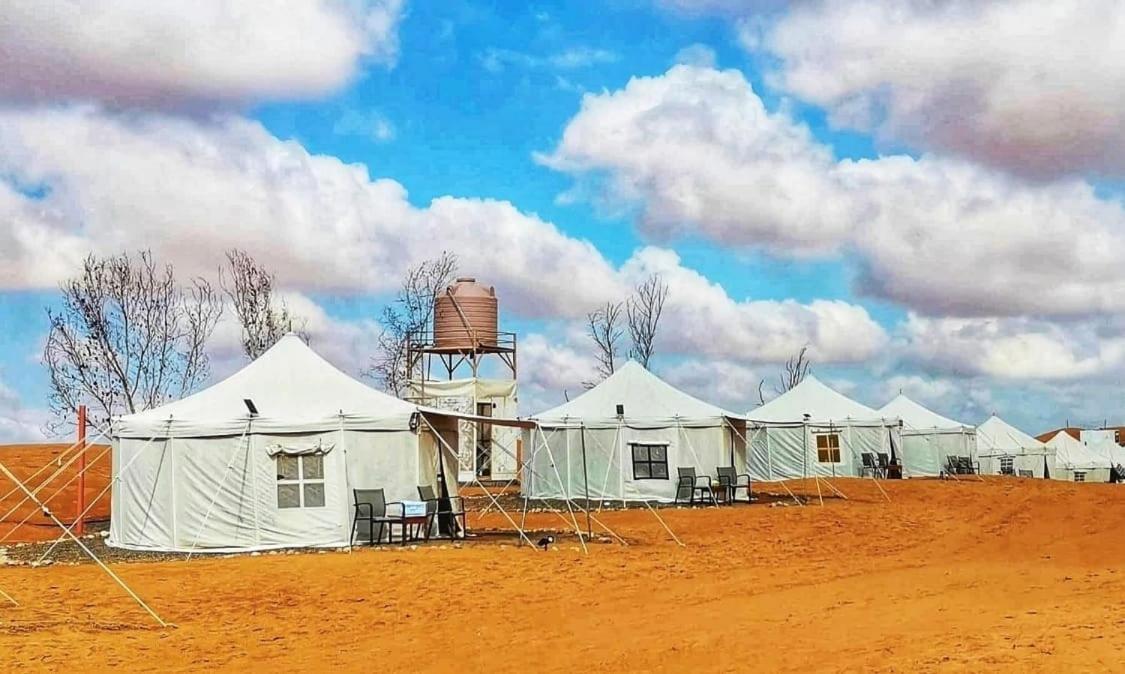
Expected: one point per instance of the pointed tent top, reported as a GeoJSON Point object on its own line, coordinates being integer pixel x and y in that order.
{"type": "Point", "coordinates": [1074, 454]}
{"type": "Point", "coordinates": [818, 400]}
{"type": "Point", "coordinates": [917, 417]}
{"type": "Point", "coordinates": [997, 434]}
{"type": "Point", "coordinates": [294, 390]}
{"type": "Point", "coordinates": [648, 399]}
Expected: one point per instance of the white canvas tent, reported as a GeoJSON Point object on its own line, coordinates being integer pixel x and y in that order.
{"type": "Point", "coordinates": [632, 456]}
{"type": "Point", "coordinates": [205, 473]}
{"type": "Point", "coordinates": [1076, 461]}
{"type": "Point", "coordinates": [485, 450]}
{"type": "Point", "coordinates": [928, 438]}
{"type": "Point", "coordinates": [1005, 449]}
{"type": "Point", "coordinates": [812, 430]}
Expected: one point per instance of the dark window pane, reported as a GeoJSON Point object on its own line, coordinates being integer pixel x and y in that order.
{"type": "Point", "coordinates": [660, 470]}
{"type": "Point", "coordinates": [286, 467]}
{"type": "Point", "coordinates": [641, 471]}
{"type": "Point", "coordinates": [288, 496]}
{"type": "Point", "coordinates": [313, 467]}
{"type": "Point", "coordinates": [659, 453]}
{"type": "Point", "coordinates": [314, 495]}
{"type": "Point", "coordinates": [639, 453]}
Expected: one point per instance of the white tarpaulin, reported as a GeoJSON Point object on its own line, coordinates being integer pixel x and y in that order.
{"type": "Point", "coordinates": [928, 438]}
{"type": "Point", "coordinates": [585, 446]}
{"type": "Point", "coordinates": [203, 473]}
{"type": "Point", "coordinates": [814, 430]}
{"type": "Point", "coordinates": [485, 450]}
{"type": "Point", "coordinates": [1076, 461]}
{"type": "Point", "coordinates": [1003, 448]}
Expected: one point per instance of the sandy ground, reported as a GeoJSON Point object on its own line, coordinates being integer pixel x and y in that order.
{"type": "Point", "coordinates": [1007, 575]}
{"type": "Point", "coordinates": [49, 470]}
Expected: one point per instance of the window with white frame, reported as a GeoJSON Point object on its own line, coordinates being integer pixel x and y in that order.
{"type": "Point", "coordinates": [1079, 476]}
{"type": "Point", "coordinates": [300, 481]}
{"type": "Point", "coordinates": [828, 448]}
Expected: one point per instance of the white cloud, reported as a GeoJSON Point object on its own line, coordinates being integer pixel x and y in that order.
{"type": "Point", "coordinates": [497, 59]}
{"type": "Point", "coordinates": [371, 125]}
{"type": "Point", "coordinates": [581, 57]}
{"type": "Point", "coordinates": [191, 189]}
{"type": "Point", "coordinates": [19, 423]}
{"type": "Point", "coordinates": [1017, 348]}
{"type": "Point", "coordinates": [1033, 87]}
{"type": "Point", "coordinates": [702, 319]}
{"type": "Point", "coordinates": [697, 54]}
{"type": "Point", "coordinates": [726, 383]}
{"type": "Point", "coordinates": [698, 153]}
{"type": "Point", "coordinates": [553, 369]}
{"type": "Point", "coordinates": [164, 52]}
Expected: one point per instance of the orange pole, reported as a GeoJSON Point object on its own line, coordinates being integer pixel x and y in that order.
{"type": "Point", "coordinates": [80, 525]}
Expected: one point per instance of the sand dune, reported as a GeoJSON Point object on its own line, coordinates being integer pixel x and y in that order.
{"type": "Point", "coordinates": [1009, 575]}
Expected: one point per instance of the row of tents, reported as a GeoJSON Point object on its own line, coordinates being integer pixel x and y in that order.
{"type": "Point", "coordinates": [268, 457]}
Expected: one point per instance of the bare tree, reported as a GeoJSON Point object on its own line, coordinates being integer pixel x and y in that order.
{"type": "Point", "coordinates": [793, 372]}
{"type": "Point", "coordinates": [410, 312]}
{"type": "Point", "coordinates": [250, 286]}
{"type": "Point", "coordinates": [603, 325]}
{"type": "Point", "coordinates": [127, 337]}
{"type": "Point", "coordinates": [643, 312]}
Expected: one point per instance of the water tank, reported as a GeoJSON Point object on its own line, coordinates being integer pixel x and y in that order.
{"type": "Point", "coordinates": [465, 316]}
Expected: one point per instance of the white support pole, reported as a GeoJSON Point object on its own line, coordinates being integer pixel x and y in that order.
{"type": "Point", "coordinates": [219, 489]}
{"type": "Point", "coordinates": [7, 473]}
{"type": "Point", "coordinates": [90, 506]}
{"type": "Point", "coordinates": [609, 466]}
{"type": "Point", "coordinates": [574, 519]}
{"type": "Point", "coordinates": [43, 485]}
{"type": "Point", "coordinates": [441, 440]}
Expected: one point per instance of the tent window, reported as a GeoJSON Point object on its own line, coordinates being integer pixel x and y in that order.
{"type": "Point", "coordinates": [828, 448]}
{"type": "Point", "coordinates": [650, 462]}
{"type": "Point", "coordinates": [1079, 476]}
{"type": "Point", "coordinates": [300, 481]}
{"type": "Point", "coordinates": [1007, 465]}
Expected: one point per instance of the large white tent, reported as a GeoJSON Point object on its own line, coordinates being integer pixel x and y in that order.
{"type": "Point", "coordinates": [209, 473]}
{"type": "Point", "coordinates": [813, 430]}
{"type": "Point", "coordinates": [1005, 449]}
{"type": "Point", "coordinates": [625, 438]}
{"type": "Point", "coordinates": [928, 438]}
{"type": "Point", "coordinates": [1076, 461]}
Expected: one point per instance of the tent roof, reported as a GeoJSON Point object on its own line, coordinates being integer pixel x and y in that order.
{"type": "Point", "coordinates": [816, 399]}
{"type": "Point", "coordinates": [997, 435]}
{"type": "Point", "coordinates": [1074, 454]}
{"type": "Point", "coordinates": [648, 399]}
{"type": "Point", "coordinates": [916, 417]}
{"type": "Point", "coordinates": [294, 390]}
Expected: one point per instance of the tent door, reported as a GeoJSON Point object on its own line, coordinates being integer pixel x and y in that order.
{"type": "Point", "coordinates": [484, 442]}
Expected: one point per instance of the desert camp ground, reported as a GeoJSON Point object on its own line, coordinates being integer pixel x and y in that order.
{"type": "Point", "coordinates": [218, 557]}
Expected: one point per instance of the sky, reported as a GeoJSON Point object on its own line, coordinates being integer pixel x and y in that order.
{"type": "Point", "coordinates": [926, 194]}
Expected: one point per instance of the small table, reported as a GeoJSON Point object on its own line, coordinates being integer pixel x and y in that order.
{"type": "Point", "coordinates": [417, 527]}
{"type": "Point", "coordinates": [723, 492]}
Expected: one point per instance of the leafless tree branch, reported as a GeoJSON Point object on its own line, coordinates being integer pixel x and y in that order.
{"type": "Point", "coordinates": [603, 325]}
{"type": "Point", "coordinates": [793, 372]}
{"type": "Point", "coordinates": [250, 288]}
{"type": "Point", "coordinates": [126, 337]}
{"type": "Point", "coordinates": [643, 311]}
{"type": "Point", "coordinates": [409, 313]}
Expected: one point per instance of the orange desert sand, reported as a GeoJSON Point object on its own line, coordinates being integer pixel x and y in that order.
{"type": "Point", "coordinates": [996, 575]}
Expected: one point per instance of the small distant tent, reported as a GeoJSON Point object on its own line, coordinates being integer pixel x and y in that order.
{"type": "Point", "coordinates": [1076, 462]}
{"type": "Point", "coordinates": [625, 438]}
{"type": "Point", "coordinates": [268, 457]}
{"type": "Point", "coordinates": [813, 430]}
{"type": "Point", "coordinates": [928, 438]}
{"type": "Point", "coordinates": [1005, 449]}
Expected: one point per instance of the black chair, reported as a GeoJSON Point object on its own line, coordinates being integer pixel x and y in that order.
{"type": "Point", "coordinates": [730, 482]}
{"type": "Point", "coordinates": [453, 514]}
{"type": "Point", "coordinates": [370, 515]}
{"type": "Point", "coordinates": [884, 464]}
{"type": "Point", "coordinates": [968, 466]}
{"type": "Point", "coordinates": [689, 484]}
{"type": "Point", "coordinates": [869, 465]}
